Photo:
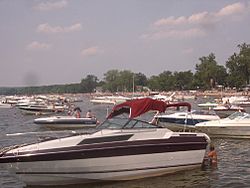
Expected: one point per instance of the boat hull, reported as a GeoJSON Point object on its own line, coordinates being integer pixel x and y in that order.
{"type": "Point", "coordinates": [66, 122]}
{"type": "Point", "coordinates": [96, 159]}
{"type": "Point", "coordinates": [183, 123]}
{"type": "Point", "coordinates": [237, 128]}
{"type": "Point", "coordinates": [62, 172]}
{"type": "Point", "coordinates": [235, 131]}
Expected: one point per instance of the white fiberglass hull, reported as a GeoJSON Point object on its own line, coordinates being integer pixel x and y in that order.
{"type": "Point", "coordinates": [183, 121]}
{"type": "Point", "coordinates": [66, 122]}
{"type": "Point", "coordinates": [105, 168]}
{"type": "Point", "coordinates": [68, 126]}
{"type": "Point", "coordinates": [3, 105]}
{"type": "Point", "coordinates": [225, 129]}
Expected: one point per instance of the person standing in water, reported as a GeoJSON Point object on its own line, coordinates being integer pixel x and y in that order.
{"type": "Point", "coordinates": [212, 156]}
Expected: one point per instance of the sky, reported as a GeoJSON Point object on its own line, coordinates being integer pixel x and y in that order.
{"type": "Point", "coordinates": [45, 42]}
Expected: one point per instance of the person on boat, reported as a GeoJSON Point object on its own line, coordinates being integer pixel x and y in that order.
{"type": "Point", "coordinates": [89, 114]}
{"type": "Point", "coordinates": [77, 112]}
{"type": "Point", "coordinates": [212, 156]}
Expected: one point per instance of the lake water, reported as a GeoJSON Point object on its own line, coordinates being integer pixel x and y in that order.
{"type": "Point", "coordinates": [233, 155]}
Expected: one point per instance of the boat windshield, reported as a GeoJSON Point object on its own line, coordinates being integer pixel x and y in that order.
{"type": "Point", "coordinates": [239, 115]}
{"type": "Point", "coordinates": [125, 123]}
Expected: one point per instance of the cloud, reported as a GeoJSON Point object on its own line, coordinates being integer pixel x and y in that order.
{"type": "Point", "coordinates": [38, 46]}
{"type": "Point", "coordinates": [47, 6]}
{"type": "Point", "coordinates": [46, 28]}
{"type": "Point", "coordinates": [188, 51]}
{"type": "Point", "coordinates": [195, 25]}
{"type": "Point", "coordinates": [236, 8]}
{"type": "Point", "coordinates": [170, 21]}
{"type": "Point", "coordinates": [176, 34]}
{"type": "Point", "coordinates": [203, 17]}
{"type": "Point", "coordinates": [92, 51]}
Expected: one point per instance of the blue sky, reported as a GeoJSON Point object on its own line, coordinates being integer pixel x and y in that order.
{"type": "Point", "coordinates": [62, 41]}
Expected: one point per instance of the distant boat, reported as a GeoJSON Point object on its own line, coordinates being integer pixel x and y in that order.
{"type": "Point", "coordinates": [208, 105]}
{"type": "Point", "coordinates": [243, 101]}
{"type": "Point", "coordinates": [185, 120]}
{"type": "Point", "coordinates": [41, 109]}
{"type": "Point", "coordinates": [5, 105]}
{"type": "Point", "coordinates": [109, 100]}
{"type": "Point", "coordinates": [66, 122]}
{"type": "Point", "coordinates": [236, 125]}
{"type": "Point", "coordinates": [226, 110]}
{"type": "Point", "coordinates": [222, 109]}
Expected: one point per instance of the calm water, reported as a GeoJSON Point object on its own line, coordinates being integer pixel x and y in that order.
{"type": "Point", "coordinates": [233, 155]}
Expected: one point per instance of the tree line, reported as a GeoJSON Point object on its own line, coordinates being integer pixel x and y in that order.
{"type": "Point", "coordinates": [208, 74]}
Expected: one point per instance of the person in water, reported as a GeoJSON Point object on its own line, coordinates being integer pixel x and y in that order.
{"type": "Point", "coordinates": [212, 156]}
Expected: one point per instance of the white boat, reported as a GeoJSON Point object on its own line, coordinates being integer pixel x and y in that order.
{"type": "Point", "coordinates": [109, 100]}
{"type": "Point", "coordinates": [225, 110]}
{"type": "Point", "coordinates": [208, 105]}
{"type": "Point", "coordinates": [41, 109]}
{"type": "Point", "coordinates": [5, 105]}
{"type": "Point", "coordinates": [66, 122]}
{"type": "Point", "coordinates": [122, 149]}
{"type": "Point", "coordinates": [185, 121]}
{"type": "Point", "coordinates": [243, 101]}
{"type": "Point", "coordinates": [236, 125]}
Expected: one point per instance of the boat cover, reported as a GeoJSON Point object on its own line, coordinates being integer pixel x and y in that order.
{"type": "Point", "coordinates": [137, 107]}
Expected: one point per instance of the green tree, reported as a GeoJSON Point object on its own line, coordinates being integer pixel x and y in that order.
{"type": "Point", "coordinates": [163, 82]}
{"type": "Point", "coordinates": [110, 79]}
{"type": "Point", "coordinates": [183, 80]}
{"type": "Point", "coordinates": [209, 73]}
{"type": "Point", "coordinates": [89, 83]}
{"type": "Point", "coordinates": [238, 66]}
{"type": "Point", "coordinates": [125, 81]}
{"type": "Point", "coordinates": [140, 79]}
{"type": "Point", "coordinates": [153, 83]}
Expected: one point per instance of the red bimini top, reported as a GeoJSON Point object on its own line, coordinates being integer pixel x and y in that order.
{"type": "Point", "coordinates": [137, 107]}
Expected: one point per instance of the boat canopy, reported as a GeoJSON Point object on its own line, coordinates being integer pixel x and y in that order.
{"type": "Point", "coordinates": [137, 107]}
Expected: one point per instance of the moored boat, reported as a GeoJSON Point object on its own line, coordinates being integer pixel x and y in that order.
{"type": "Point", "coordinates": [225, 110]}
{"type": "Point", "coordinates": [5, 105]}
{"type": "Point", "coordinates": [236, 125]}
{"type": "Point", "coordinates": [66, 122]}
{"type": "Point", "coordinates": [41, 109]}
{"type": "Point", "coordinates": [185, 120]}
{"type": "Point", "coordinates": [121, 149]}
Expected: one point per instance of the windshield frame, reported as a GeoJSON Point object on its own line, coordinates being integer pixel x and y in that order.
{"type": "Point", "coordinates": [126, 123]}
{"type": "Point", "coordinates": [238, 115]}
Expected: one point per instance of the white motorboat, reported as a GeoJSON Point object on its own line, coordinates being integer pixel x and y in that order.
{"type": "Point", "coordinates": [235, 125]}
{"type": "Point", "coordinates": [122, 149]}
{"type": "Point", "coordinates": [66, 122]}
{"type": "Point", "coordinates": [243, 101]}
{"type": "Point", "coordinates": [182, 121]}
{"type": "Point", "coordinates": [208, 105]}
{"type": "Point", "coordinates": [225, 110]}
{"type": "Point", "coordinates": [5, 105]}
{"type": "Point", "coordinates": [109, 100]}
{"type": "Point", "coordinates": [41, 109]}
